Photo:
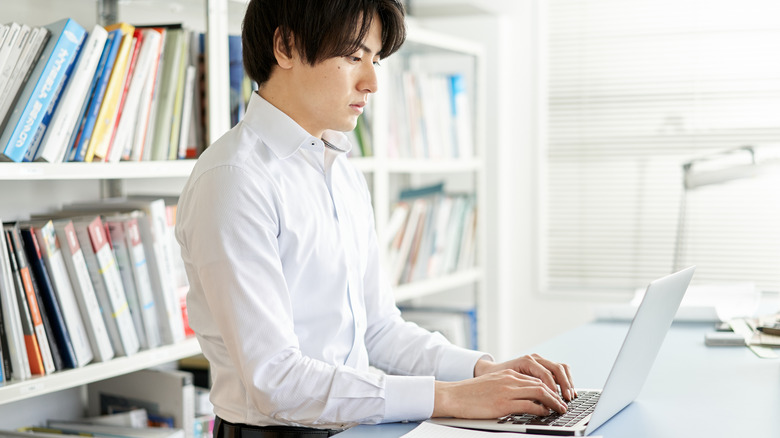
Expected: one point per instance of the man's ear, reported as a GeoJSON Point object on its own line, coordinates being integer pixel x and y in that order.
{"type": "Point", "coordinates": [284, 57]}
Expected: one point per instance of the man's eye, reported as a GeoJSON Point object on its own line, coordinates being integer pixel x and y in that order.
{"type": "Point", "coordinates": [354, 58]}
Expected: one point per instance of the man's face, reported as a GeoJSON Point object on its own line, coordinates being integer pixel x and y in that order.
{"type": "Point", "coordinates": [331, 94]}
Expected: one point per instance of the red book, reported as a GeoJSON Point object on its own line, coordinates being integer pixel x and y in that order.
{"type": "Point", "coordinates": [137, 39]}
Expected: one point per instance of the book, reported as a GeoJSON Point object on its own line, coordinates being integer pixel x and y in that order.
{"type": "Point", "coordinates": [461, 115]}
{"type": "Point", "coordinates": [143, 281]}
{"type": "Point", "coordinates": [106, 116]}
{"type": "Point", "coordinates": [81, 142]}
{"type": "Point", "coordinates": [10, 51]}
{"type": "Point", "coordinates": [156, 236]}
{"type": "Point", "coordinates": [48, 299]}
{"type": "Point", "coordinates": [178, 100]}
{"type": "Point", "coordinates": [168, 392]}
{"type": "Point", "coordinates": [166, 94]}
{"type": "Point", "coordinates": [12, 321]}
{"type": "Point", "coordinates": [134, 103]}
{"type": "Point", "coordinates": [36, 341]}
{"type": "Point", "coordinates": [39, 92]}
{"type": "Point", "coordinates": [57, 138]}
{"type": "Point", "coordinates": [27, 49]}
{"type": "Point", "coordinates": [61, 282]}
{"type": "Point", "coordinates": [186, 112]}
{"type": "Point", "coordinates": [114, 154]}
{"type": "Point", "coordinates": [90, 310]}
{"type": "Point", "coordinates": [43, 126]}
{"type": "Point", "coordinates": [145, 123]}
{"type": "Point", "coordinates": [118, 239]}
{"type": "Point", "coordinates": [107, 283]}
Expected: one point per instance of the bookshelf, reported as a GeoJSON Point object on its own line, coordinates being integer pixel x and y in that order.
{"type": "Point", "coordinates": [428, 52]}
{"type": "Point", "coordinates": [29, 188]}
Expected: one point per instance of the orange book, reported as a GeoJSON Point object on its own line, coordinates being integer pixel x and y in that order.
{"type": "Point", "coordinates": [35, 339]}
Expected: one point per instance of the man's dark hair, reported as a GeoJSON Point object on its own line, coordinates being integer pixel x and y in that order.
{"type": "Point", "coordinates": [318, 29]}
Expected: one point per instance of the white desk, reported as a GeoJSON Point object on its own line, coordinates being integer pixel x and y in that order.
{"type": "Point", "coordinates": [692, 391]}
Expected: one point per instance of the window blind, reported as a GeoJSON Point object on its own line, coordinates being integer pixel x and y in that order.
{"type": "Point", "coordinates": [634, 89]}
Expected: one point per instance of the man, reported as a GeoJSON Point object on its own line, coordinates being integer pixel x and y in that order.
{"type": "Point", "coordinates": [276, 229]}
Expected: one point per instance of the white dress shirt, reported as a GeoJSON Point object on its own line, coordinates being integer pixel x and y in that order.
{"type": "Point", "coordinates": [287, 297]}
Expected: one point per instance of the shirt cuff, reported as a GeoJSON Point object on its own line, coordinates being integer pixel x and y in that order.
{"type": "Point", "coordinates": [408, 398]}
{"type": "Point", "coordinates": [458, 364]}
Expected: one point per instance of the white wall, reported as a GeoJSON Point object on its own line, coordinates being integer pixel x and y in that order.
{"type": "Point", "coordinates": [520, 316]}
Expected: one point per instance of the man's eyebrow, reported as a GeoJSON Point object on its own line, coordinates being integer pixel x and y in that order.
{"type": "Point", "coordinates": [366, 49]}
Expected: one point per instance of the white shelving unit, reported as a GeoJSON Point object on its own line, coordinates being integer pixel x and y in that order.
{"type": "Point", "coordinates": [28, 188]}
{"type": "Point", "coordinates": [389, 175]}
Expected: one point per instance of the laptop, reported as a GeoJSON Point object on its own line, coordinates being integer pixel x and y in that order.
{"type": "Point", "coordinates": [636, 356]}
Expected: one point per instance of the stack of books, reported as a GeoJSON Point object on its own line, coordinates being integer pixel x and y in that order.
{"type": "Point", "coordinates": [431, 117]}
{"type": "Point", "coordinates": [88, 283]}
{"type": "Point", "coordinates": [430, 233]}
{"type": "Point", "coordinates": [119, 92]}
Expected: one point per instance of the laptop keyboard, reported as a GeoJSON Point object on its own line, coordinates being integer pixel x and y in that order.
{"type": "Point", "coordinates": [579, 408]}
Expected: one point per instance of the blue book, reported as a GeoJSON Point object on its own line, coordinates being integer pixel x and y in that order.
{"type": "Point", "coordinates": [113, 41]}
{"type": "Point", "coordinates": [39, 91]}
{"type": "Point", "coordinates": [32, 152]}
{"type": "Point", "coordinates": [73, 141]}
{"type": "Point", "coordinates": [50, 303]}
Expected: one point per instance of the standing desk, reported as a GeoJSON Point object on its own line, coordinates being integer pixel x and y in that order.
{"type": "Point", "coordinates": [692, 390]}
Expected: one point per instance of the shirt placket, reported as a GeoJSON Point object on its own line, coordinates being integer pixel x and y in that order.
{"type": "Point", "coordinates": [357, 354]}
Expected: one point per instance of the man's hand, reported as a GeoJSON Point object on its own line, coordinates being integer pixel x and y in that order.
{"type": "Point", "coordinates": [494, 395]}
{"type": "Point", "coordinates": [552, 374]}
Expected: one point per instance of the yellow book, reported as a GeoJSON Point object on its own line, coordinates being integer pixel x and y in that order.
{"type": "Point", "coordinates": [106, 118]}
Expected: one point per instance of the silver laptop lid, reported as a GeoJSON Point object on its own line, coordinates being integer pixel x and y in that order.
{"type": "Point", "coordinates": [641, 345]}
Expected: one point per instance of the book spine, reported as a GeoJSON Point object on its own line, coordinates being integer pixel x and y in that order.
{"type": "Point", "coordinates": [145, 125]}
{"type": "Point", "coordinates": [63, 289]}
{"type": "Point", "coordinates": [65, 120]}
{"type": "Point", "coordinates": [48, 299]}
{"type": "Point", "coordinates": [41, 361]}
{"type": "Point", "coordinates": [20, 365]}
{"type": "Point", "coordinates": [59, 52]}
{"type": "Point", "coordinates": [117, 307]}
{"type": "Point", "coordinates": [35, 149]}
{"type": "Point", "coordinates": [143, 281]}
{"type": "Point", "coordinates": [117, 238]}
{"type": "Point", "coordinates": [88, 125]}
{"type": "Point", "coordinates": [106, 116]}
{"type": "Point", "coordinates": [84, 290]}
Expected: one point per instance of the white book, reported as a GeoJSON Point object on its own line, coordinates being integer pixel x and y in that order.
{"type": "Point", "coordinates": [55, 141]}
{"type": "Point", "coordinates": [107, 283]}
{"type": "Point", "coordinates": [116, 233]}
{"type": "Point", "coordinates": [172, 392]}
{"type": "Point", "coordinates": [143, 280]}
{"type": "Point", "coordinates": [127, 123]}
{"type": "Point", "coordinates": [18, 61]}
{"type": "Point", "coordinates": [20, 364]}
{"type": "Point", "coordinates": [153, 225]}
{"type": "Point", "coordinates": [401, 259]}
{"type": "Point", "coordinates": [55, 263]}
{"type": "Point", "coordinates": [84, 291]}
{"type": "Point", "coordinates": [11, 34]}
{"type": "Point", "coordinates": [145, 127]}
{"type": "Point", "coordinates": [186, 111]}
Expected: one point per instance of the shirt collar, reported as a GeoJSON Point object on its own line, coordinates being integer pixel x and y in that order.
{"type": "Point", "coordinates": [282, 134]}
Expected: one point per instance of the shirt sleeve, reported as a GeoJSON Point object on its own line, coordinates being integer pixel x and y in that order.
{"type": "Point", "coordinates": [229, 242]}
